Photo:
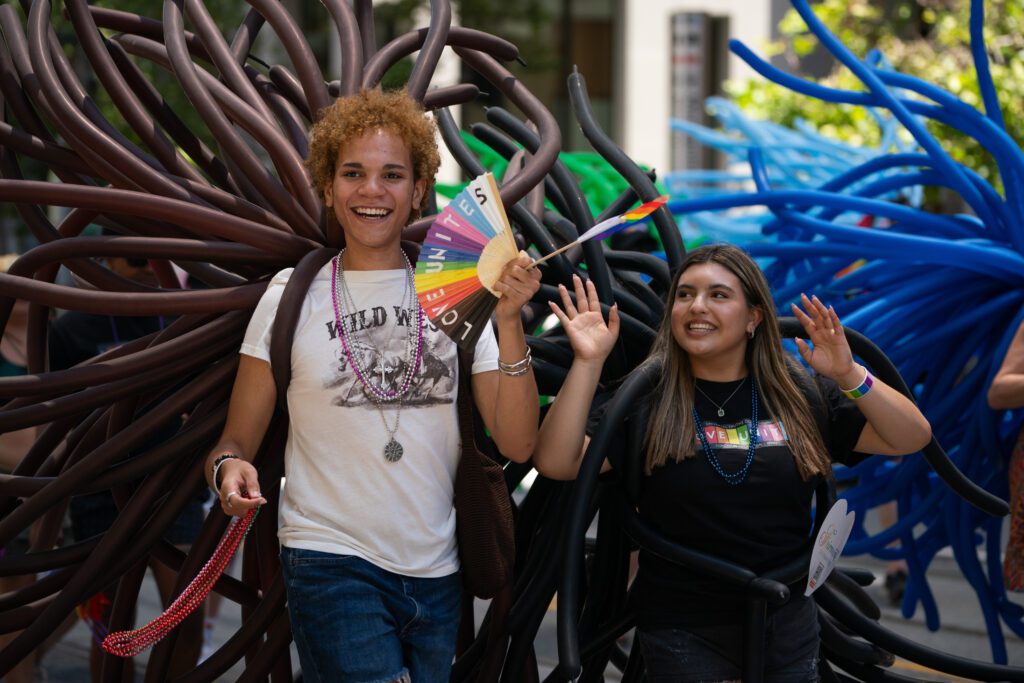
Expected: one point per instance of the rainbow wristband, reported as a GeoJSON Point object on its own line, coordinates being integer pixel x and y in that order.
{"type": "Point", "coordinates": [859, 391]}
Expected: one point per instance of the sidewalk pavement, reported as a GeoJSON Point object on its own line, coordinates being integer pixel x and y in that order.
{"type": "Point", "coordinates": [962, 630]}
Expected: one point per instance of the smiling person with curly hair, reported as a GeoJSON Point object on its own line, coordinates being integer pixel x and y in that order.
{"type": "Point", "coordinates": [366, 521]}
{"type": "Point", "coordinates": [370, 110]}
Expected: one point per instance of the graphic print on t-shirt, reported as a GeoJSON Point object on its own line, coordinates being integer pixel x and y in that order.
{"type": "Point", "coordinates": [378, 345]}
{"type": "Point", "coordinates": [736, 435]}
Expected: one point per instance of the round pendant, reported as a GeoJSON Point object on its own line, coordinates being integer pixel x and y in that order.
{"type": "Point", "coordinates": [721, 412]}
{"type": "Point", "coordinates": [393, 451]}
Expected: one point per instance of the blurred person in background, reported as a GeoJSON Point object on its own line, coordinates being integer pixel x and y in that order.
{"type": "Point", "coordinates": [74, 338]}
{"type": "Point", "coordinates": [1007, 392]}
{"type": "Point", "coordinates": [13, 446]}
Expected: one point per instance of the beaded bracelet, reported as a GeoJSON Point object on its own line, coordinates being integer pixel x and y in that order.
{"type": "Point", "coordinates": [221, 459]}
{"type": "Point", "coordinates": [862, 389]}
{"type": "Point", "coordinates": [518, 368]}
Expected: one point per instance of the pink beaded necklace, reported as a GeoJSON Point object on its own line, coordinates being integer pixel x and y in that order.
{"type": "Point", "coordinates": [393, 448]}
{"type": "Point", "coordinates": [379, 393]}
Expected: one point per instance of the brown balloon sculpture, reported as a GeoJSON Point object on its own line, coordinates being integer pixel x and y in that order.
{"type": "Point", "coordinates": [229, 217]}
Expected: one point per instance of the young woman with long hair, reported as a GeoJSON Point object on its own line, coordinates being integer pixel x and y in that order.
{"type": "Point", "coordinates": [733, 453]}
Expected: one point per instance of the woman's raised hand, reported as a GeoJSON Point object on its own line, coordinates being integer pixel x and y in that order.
{"type": "Point", "coordinates": [590, 337]}
{"type": "Point", "coordinates": [830, 355]}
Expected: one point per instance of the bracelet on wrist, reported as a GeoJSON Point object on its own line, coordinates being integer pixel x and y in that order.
{"type": "Point", "coordinates": [221, 459]}
{"type": "Point", "coordinates": [860, 390]}
{"type": "Point", "coordinates": [520, 367]}
{"type": "Point", "coordinates": [515, 373]}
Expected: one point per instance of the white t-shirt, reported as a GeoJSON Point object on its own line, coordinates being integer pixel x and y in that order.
{"type": "Point", "coordinates": [341, 495]}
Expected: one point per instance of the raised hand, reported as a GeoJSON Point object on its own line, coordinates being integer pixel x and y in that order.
{"type": "Point", "coordinates": [590, 337]}
{"type": "Point", "coordinates": [830, 355]}
{"type": "Point", "coordinates": [517, 286]}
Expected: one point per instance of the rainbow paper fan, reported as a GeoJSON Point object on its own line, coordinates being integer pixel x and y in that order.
{"type": "Point", "coordinates": [462, 257]}
{"type": "Point", "coordinates": [467, 247]}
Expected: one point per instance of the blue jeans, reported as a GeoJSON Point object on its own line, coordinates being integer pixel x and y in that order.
{"type": "Point", "coordinates": [713, 653]}
{"type": "Point", "coordinates": [354, 622]}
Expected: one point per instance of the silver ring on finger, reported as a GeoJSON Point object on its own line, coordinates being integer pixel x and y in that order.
{"type": "Point", "coordinates": [227, 501]}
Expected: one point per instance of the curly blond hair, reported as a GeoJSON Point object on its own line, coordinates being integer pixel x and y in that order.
{"type": "Point", "coordinates": [370, 110]}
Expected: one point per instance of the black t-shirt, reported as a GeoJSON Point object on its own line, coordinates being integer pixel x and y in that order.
{"type": "Point", "coordinates": [762, 523]}
{"type": "Point", "coordinates": [76, 336]}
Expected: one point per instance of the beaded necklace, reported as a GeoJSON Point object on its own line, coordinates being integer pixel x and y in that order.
{"type": "Point", "coordinates": [393, 449]}
{"type": "Point", "coordinates": [340, 287]}
{"type": "Point", "coordinates": [737, 477]}
{"type": "Point", "coordinates": [131, 643]}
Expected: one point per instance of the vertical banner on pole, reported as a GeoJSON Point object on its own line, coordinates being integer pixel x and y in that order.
{"type": "Point", "coordinates": [691, 54]}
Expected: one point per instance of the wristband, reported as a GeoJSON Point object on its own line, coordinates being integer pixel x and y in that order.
{"type": "Point", "coordinates": [221, 459]}
{"type": "Point", "coordinates": [862, 389]}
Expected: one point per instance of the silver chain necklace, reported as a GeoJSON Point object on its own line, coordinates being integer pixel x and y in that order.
{"type": "Point", "coordinates": [393, 449]}
{"type": "Point", "coordinates": [721, 408]}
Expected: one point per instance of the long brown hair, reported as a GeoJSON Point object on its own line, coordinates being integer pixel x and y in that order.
{"type": "Point", "coordinates": [671, 432]}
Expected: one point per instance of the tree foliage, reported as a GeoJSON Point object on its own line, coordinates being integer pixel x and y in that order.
{"type": "Point", "coordinates": [929, 39]}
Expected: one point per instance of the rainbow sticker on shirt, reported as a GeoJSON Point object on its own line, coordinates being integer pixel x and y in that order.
{"type": "Point", "coordinates": [737, 434]}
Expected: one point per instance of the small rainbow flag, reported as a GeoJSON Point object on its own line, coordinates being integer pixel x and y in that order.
{"type": "Point", "coordinates": [610, 226]}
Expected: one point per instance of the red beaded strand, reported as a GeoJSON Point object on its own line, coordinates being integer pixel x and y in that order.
{"type": "Point", "coordinates": [131, 643]}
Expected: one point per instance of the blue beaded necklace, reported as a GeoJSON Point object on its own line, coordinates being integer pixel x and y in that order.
{"type": "Point", "coordinates": [734, 478]}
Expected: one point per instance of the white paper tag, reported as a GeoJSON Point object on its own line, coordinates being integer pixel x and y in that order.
{"type": "Point", "coordinates": [829, 544]}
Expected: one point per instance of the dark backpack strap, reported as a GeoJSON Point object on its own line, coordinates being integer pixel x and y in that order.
{"type": "Point", "coordinates": [465, 401]}
{"type": "Point", "coordinates": [470, 428]}
{"type": "Point", "coordinates": [287, 319]}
